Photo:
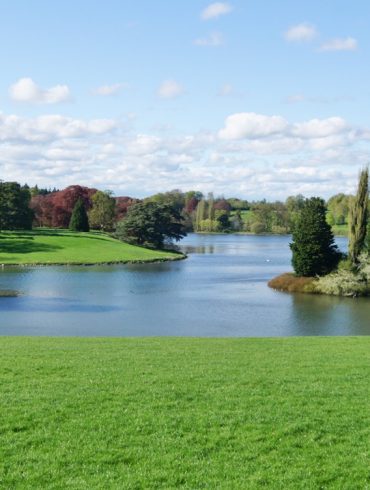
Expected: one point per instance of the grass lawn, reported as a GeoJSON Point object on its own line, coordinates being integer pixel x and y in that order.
{"type": "Point", "coordinates": [52, 246]}
{"type": "Point", "coordinates": [189, 413]}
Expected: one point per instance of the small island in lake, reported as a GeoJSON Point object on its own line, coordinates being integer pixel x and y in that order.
{"type": "Point", "coordinates": [318, 265]}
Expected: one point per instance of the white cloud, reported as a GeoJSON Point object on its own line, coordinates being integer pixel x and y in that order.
{"type": "Point", "coordinates": [215, 10]}
{"type": "Point", "coordinates": [105, 90]}
{"type": "Point", "coordinates": [214, 39]}
{"type": "Point", "coordinates": [170, 89]}
{"type": "Point", "coordinates": [338, 44]}
{"type": "Point", "coordinates": [26, 90]}
{"type": "Point", "coordinates": [301, 33]}
{"type": "Point", "coordinates": [258, 156]}
{"type": "Point", "coordinates": [251, 125]}
{"type": "Point", "coordinates": [320, 128]}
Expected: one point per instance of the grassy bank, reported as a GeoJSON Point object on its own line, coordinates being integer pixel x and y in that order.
{"type": "Point", "coordinates": [52, 246]}
{"type": "Point", "coordinates": [185, 413]}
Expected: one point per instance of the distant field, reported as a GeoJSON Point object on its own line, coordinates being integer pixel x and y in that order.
{"type": "Point", "coordinates": [52, 246]}
{"type": "Point", "coordinates": [184, 413]}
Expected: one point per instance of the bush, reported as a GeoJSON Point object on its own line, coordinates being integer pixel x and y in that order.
{"type": "Point", "coordinates": [347, 281]}
{"type": "Point", "coordinates": [258, 228]}
{"type": "Point", "coordinates": [293, 284]}
{"type": "Point", "coordinates": [279, 230]}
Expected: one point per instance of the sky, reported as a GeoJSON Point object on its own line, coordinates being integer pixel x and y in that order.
{"type": "Point", "coordinates": [253, 99]}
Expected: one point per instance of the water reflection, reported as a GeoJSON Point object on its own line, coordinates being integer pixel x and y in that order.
{"type": "Point", "coordinates": [220, 290]}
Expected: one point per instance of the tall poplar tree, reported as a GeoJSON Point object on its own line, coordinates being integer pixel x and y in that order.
{"type": "Point", "coordinates": [358, 216]}
{"type": "Point", "coordinates": [200, 214]}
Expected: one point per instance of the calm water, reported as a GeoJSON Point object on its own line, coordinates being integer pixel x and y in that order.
{"type": "Point", "coordinates": [220, 290]}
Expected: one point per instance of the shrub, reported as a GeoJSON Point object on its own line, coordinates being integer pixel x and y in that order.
{"type": "Point", "coordinates": [293, 284]}
{"type": "Point", "coordinates": [258, 228]}
{"type": "Point", "coordinates": [347, 281]}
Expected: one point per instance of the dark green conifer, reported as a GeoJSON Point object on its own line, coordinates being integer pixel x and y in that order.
{"type": "Point", "coordinates": [79, 220]}
{"type": "Point", "coordinates": [313, 247]}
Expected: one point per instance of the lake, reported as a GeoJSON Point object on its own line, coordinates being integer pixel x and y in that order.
{"type": "Point", "coordinates": [219, 291]}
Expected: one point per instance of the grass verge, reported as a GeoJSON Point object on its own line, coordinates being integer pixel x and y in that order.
{"type": "Point", "coordinates": [58, 247]}
{"type": "Point", "coordinates": [185, 413]}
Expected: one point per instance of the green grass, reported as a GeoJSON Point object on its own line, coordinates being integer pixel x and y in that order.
{"type": "Point", "coordinates": [185, 413]}
{"type": "Point", "coordinates": [52, 246]}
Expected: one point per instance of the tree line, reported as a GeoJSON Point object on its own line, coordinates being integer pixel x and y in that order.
{"type": "Point", "coordinates": [21, 206]}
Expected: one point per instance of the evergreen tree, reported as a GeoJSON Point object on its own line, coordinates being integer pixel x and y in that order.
{"type": "Point", "coordinates": [79, 220]}
{"type": "Point", "coordinates": [15, 213]}
{"type": "Point", "coordinates": [313, 247]}
{"type": "Point", "coordinates": [358, 218]}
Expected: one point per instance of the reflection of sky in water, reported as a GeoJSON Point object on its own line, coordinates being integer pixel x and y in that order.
{"type": "Point", "coordinates": [220, 290]}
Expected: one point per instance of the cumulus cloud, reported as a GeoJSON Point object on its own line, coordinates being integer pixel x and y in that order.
{"type": "Point", "coordinates": [26, 90]}
{"type": "Point", "coordinates": [340, 44]}
{"type": "Point", "coordinates": [51, 127]}
{"type": "Point", "coordinates": [251, 125]}
{"type": "Point", "coordinates": [301, 33]}
{"type": "Point", "coordinates": [320, 128]}
{"type": "Point", "coordinates": [214, 39]}
{"type": "Point", "coordinates": [215, 10]}
{"type": "Point", "coordinates": [106, 90]}
{"type": "Point", "coordinates": [252, 156]}
{"type": "Point", "coordinates": [170, 89]}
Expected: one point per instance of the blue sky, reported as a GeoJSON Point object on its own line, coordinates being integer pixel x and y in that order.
{"type": "Point", "coordinates": [255, 99]}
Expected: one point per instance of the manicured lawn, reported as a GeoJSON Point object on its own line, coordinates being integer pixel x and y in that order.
{"type": "Point", "coordinates": [49, 246]}
{"type": "Point", "coordinates": [185, 413]}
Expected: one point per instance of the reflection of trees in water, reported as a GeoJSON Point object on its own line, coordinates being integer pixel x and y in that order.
{"type": "Point", "coordinates": [330, 315]}
{"type": "Point", "coordinates": [199, 249]}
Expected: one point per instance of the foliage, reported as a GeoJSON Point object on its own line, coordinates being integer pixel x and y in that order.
{"type": "Point", "coordinates": [151, 224]}
{"type": "Point", "coordinates": [358, 218]}
{"type": "Point", "coordinates": [102, 213]}
{"type": "Point", "coordinates": [258, 227]}
{"type": "Point", "coordinates": [293, 284]}
{"type": "Point", "coordinates": [338, 209]}
{"type": "Point", "coordinates": [79, 219]}
{"type": "Point", "coordinates": [313, 247]}
{"type": "Point", "coordinates": [184, 413]}
{"type": "Point", "coordinates": [15, 213]}
{"type": "Point", "coordinates": [55, 209]}
{"type": "Point", "coordinates": [54, 246]}
{"type": "Point", "coordinates": [347, 280]}
{"type": "Point", "coordinates": [123, 204]}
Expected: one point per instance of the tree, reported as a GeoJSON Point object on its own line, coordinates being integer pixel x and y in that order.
{"type": "Point", "coordinates": [15, 213]}
{"type": "Point", "coordinates": [200, 214]}
{"type": "Point", "coordinates": [79, 220]}
{"type": "Point", "coordinates": [151, 224]}
{"type": "Point", "coordinates": [358, 218]}
{"type": "Point", "coordinates": [313, 247]}
{"type": "Point", "coordinates": [102, 213]}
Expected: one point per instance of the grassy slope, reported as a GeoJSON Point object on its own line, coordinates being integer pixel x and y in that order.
{"type": "Point", "coordinates": [191, 413]}
{"type": "Point", "coordinates": [62, 246]}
